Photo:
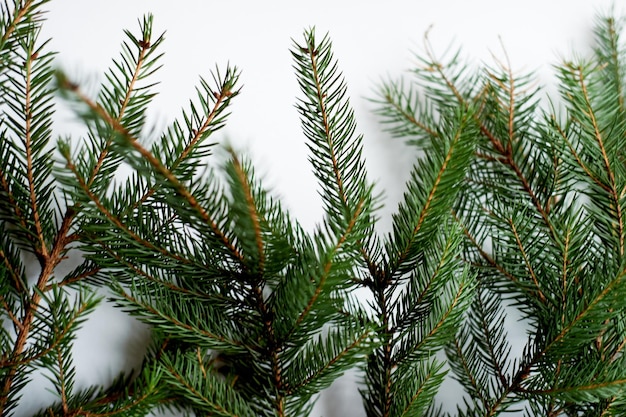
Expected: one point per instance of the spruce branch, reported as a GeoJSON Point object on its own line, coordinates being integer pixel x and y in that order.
{"type": "Point", "coordinates": [597, 121]}
{"type": "Point", "coordinates": [328, 123]}
{"type": "Point", "coordinates": [37, 218]}
{"type": "Point", "coordinates": [421, 291]}
{"type": "Point", "coordinates": [127, 139]}
{"type": "Point", "coordinates": [610, 51]}
{"type": "Point", "coordinates": [250, 317]}
{"type": "Point", "coordinates": [530, 236]}
{"type": "Point", "coordinates": [431, 196]}
{"type": "Point", "coordinates": [510, 207]}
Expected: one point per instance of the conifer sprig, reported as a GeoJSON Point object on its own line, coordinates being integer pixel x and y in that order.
{"type": "Point", "coordinates": [420, 288]}
{"type": "Point", "coordinates": [542, 216]}
{"type": "Point", "coordinates": [40, 229]}
{"type": "Point", "coordinates": [328, 123]}
{"type": "Point", "coordinates": [264, 289]}
{"type": "Point", "coordinates": [510, 207]}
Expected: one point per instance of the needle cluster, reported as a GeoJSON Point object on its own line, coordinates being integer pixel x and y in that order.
{"type": "Point", "coordinates": [510, 209]}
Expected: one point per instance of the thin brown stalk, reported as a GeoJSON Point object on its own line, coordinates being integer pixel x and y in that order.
{"type": "Point", "coordinates": [431, 195]}
{"type": "Point", "coordinates": [18, 16]}
{"type": "Point", "coordinates": [161, 169]}
{"type": "Point", "coordinates": [527, 261]}
{"type": "Point", "coordinates": [254, 215]}
{"type": "Point", "coordinates": [321, 99]}
{"type": "Point", "coordinates": [614, 192]}
{"type": "Point", "coordinates": [410, 117]}
{"type": "Point", "coordinates": [326, 271]}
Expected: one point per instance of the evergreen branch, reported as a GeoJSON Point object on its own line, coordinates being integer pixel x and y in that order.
{"type": "Point", "coordinates": [41, 250]}
{"type": "Point", "coordinates": [479, 355]}
{"type": "Point", "coordinates": [400, 109]}
{"type": "Point", "coordinates": [450, 315]}
{"type": "Point", "coordinates": [207, 402]}
{"type": "Point", "coordinates": [594, 386]}
{"type": "Point", "coordinates": [494, 340]}
{"type": "Point", "coordinates": [494, 406]}
{"type": "Point", "coordinates": [53, 345]}
{"type": "Point", "coordinates": [7, 192]}
{"type": "Point", "coordinates": [421, 324]}
{"type": "Point", "coordinates": [614, 192]}
{"type": "Point", "coordinates": [408, 114]}
{"type": "Point", "coordinates": [327, 357]}
{"type": "Point", "coordinates": [107, 401]}
{"type": "Point", "coordinates": [14, 269]}
{"type": "Point", "coordinates": [328, 123]}
{"type": "Point", "coordinates": [506, 156]}
{"type": "Point", "coordinates": [418, 298]}
{"type": "Point", "coordinates": [215, 406]}
{"type": "Point", "coordinates": [381, 401]}
{"type": "Point", "coordinates": [273, 350]}
{"type": "Point", "coordinates": [321, 97]}
{"type": "Point", "coordinates": [579, 160]}
{"type": "Point", "coordinates": [225, 94]}
{"type": "Point", "coordinates": [227, 276]}
{"type": "Point", "coordinates": [57, 323]}
{"type": "Point", "coordinates": [144, 47]}
{"type": "Point", "coordinates": [216, 341]}
{"type": "Point", "coordinates": [326, 270]}
{"type": "Point", "coordinates": [206, 393]}
{"type": "Point", "coordinates": [592, 392]}
{"type": "Point", "coordinates": [529, 266]}
{"type": "Point", "coordinates": [252, 213]}
{"type": "Point", "coordinates": [61, 380]}
{"type": "Point", "coordinates": [28, 117]}
{"type": "Point", "coordinates": [127, 396]}
{"type": "Point", "coordinates": [436, 67]}
{"type": "Point", "coordinates": [484, 254]}
{"type": "Point", "coordinates": [421, 394]}
{"type": "Point", "coordinates": [31, 308]}
{"type": "Point", "coordinates": [138, 272]}
{"type": "Point", "coordinates": [599, 303]}
{"type": "Point", "coordinates": [70, 280]}
{"type": "Point", "coordinates": [21, 14]}
{"type": "Point", "coordinates": [610, 52]}
{"type": "Point", "coordinates": [211, 122]}
{"type": "Point", "coordinates": [427, 197]}
{"type": "Point", "coordinates": [125, 101]}
{"type": "Point", "coordinates": [27, 181]}
{"type": "Point", "coordinates": [516, 99]}
{"type": "Point", "coordinates": [568, 242]}
{"type": "Point", "coordinates": [116, 221]}
{"type": "Point", "coordinates": [463, 372]}
{"type": "Point", "coordinates": [132, 141]}
{"type": "Point", "coordinates": [427, 312]}
{"type": "Point", "coordinates": [509, 161]}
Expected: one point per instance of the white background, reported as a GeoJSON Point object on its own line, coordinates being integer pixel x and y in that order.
{"type": "Point", "coordinates": [373, 40]}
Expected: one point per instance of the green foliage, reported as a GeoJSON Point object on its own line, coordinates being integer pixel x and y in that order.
{"type": "Point", "coordinates": [510, 209]}
{"type": "Point", "coordinates": [252, 315]}
{"type": "Point", "coordinates": [214, 264]}
{"type": "Point", "coordinates": [420, 287]}
{"type": "Point", "coordinates": [541, 210]}
{"type": "Point", "coordinates": [40, 224]}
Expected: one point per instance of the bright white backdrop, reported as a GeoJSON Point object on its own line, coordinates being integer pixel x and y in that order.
{"type": "Point", "coordinates": [372, 40]}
